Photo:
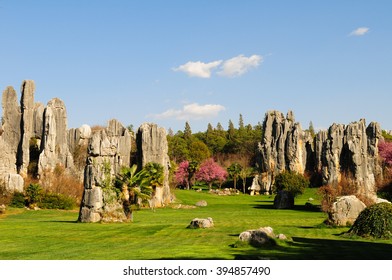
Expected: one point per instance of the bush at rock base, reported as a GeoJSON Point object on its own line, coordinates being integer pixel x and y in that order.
{"type": "Point", "coordinates": [18, 200]}
{"type": "Point", "coordinates": [291, 182]}
{"type": "Point", "coordinates": [36, 197]}
{"type": "Point", "coordinates": [375, 221]}
{"type": "Point", "coordinates": [57, 201]}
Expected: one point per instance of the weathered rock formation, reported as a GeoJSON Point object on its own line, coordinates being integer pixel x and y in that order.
{"type": "Point", "coordinates": [344, 150]}
{"type": "Point", "coordinates": [54, 143]}
{"type": "Point", "coordinates": [110, 149]}
{"type": "Point", "coordinates": [11, 132]}
{"type": "Point", "coordinates": [351, 151]}
{"type": "Point", "coordinates": [152, 146]}
{"type": "Point", "coordinates": [282, 147]}
{"type": "Point", "coordinates": [27, 126]}
{"type": "Point", "coordinates": [55, 133]}
{"type": "Point", "coordinates": [13, 183]}
{"type": "Point", "coordinates": [255, 188]}
{"type": "Point", "coordinates": [29, 123]}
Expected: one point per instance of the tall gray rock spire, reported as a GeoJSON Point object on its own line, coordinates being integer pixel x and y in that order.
{"type": "Point", "coordinates": [27, 125]}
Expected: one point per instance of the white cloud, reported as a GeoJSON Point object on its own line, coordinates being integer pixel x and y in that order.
{"type": "Point", "coordinates": [239, 65]}
{"type": "Point", "coordinates": [233, 67]}
{"type": "Point", "coordinates": [198, 68]}
{"type": "Point", "coordinates": [359, 31]}
{"type": "Point", "coordinates": [192, 111]}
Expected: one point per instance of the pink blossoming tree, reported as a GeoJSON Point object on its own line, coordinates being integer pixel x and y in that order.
{"type": "Point", "coordinates": [211, 172]}
{"type": "Point", "coordinates": [385, 152]}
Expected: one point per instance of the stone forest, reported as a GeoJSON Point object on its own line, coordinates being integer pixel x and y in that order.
{"type": "Point", "coordinates": [346, 162]}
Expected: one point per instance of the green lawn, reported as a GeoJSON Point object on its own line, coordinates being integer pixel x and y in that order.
{"type": "Point", "coordinates": [162, 234]}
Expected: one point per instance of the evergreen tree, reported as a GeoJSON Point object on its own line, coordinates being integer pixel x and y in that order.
{"type": "Point", "coordinates": [241, 123]}
{"type": "Point", "coordinates": [219, 127]}
{"type": "Point", "coordinates": [210, 129]}
{"type": "Point", "coordinates": [187, 131]}
{"type": "Point", "coordinates": [231, 130]}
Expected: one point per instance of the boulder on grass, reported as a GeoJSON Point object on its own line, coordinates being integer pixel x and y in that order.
{"type": "Point", "coordinates": [258, 237]}
{"type": "Point", "coordinates": [201, 223]}
{"type": "Point", "coordinates": [346, 210]}
{"type": "Point", "coordinates": [201, 203]}
{"type": "Point", "coordinates": [284, 200]}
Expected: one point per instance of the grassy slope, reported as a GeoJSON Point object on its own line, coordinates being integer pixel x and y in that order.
{"type": "Point", "coordinates": [162, 234]}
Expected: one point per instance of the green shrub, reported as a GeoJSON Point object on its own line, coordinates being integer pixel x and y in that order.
{"type": "Point", "coordinates": [33, 194]}
{"type": "Point", "coordinates": [374, 221]}
{"type": "Point", "coordinates": [18, 200]}
{"type": "Point", "coordinates": [56, 201]}
{"type": "Point", "coordinates": [291, 182]}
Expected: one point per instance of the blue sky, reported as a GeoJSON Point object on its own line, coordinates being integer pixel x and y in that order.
{"type": "Point", "coordinates": [202, 61]}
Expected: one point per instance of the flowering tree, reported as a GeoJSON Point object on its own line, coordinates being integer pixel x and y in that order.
{"type": "Point", "coordinates": [385, 151]}
{"type": "Point", "coordinates": [210, 172]}
{"type": "Point", "coordinates": [182, 174]}
{"type": "Point", "coordinates": [185, 173]}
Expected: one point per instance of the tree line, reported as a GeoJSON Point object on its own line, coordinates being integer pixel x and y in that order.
{"type": "Point", "coordinates": [215, 155]}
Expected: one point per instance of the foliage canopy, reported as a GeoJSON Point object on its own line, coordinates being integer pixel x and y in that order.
{"type": "Point", "coordinates": [292, 182]}
{"type": "Point", "coordinates": [374, 221]}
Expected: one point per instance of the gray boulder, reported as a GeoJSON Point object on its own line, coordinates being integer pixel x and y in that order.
{"type": "Point", "coordinates": [201, 223]}
{"type": "Point", "coordinates": [201, 203]}
{"type": "Point", "coordinates": [284, 200]}
{"type": "Point", "coordinates": [258, 237]}
{"type": "Point", "coordinates": [346, 210]}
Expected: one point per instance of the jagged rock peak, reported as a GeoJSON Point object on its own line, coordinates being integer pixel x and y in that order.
{"type": "Point", "coordinates": [27, 88]}
{"type": "Point", "coordinates": [282, 147]}
{"type": "Point", "coordinates": [11, 119]}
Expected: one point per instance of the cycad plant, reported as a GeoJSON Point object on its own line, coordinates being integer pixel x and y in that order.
{"type": "Point", "coordinates": [137, 187]}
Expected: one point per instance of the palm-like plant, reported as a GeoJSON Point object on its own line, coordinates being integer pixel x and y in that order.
{"type": "Point", "coordinates": [234, 171]}
{"type": "Point", "coordinates": [137, 187]}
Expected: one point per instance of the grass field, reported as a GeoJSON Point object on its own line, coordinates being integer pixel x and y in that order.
{"type": "Point", "coordinates": [162, 233]}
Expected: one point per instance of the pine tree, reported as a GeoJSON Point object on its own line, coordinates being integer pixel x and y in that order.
{"type": "Point", "coordinates": [241, 122]}
{"type": "Point", "coordinates": [219, 127]}
{"type": "Point", "coordinates": [210, 128]}
{"type": "Point", "coordinates": [187, 131]}
{"type": "Point", "coordinates": [231, 130]}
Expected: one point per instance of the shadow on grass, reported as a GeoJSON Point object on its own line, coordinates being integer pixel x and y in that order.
{"type": "Point", "coordinates": [263, 206]}
{"type": "Point", "coordinates": [189, 258]}
{"type": "Point", "coordinates": [320, 249]}
{"type": "Point", "coordinates": [303, 208]}
{"type": "Point", "coordinates": [64, 222]}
